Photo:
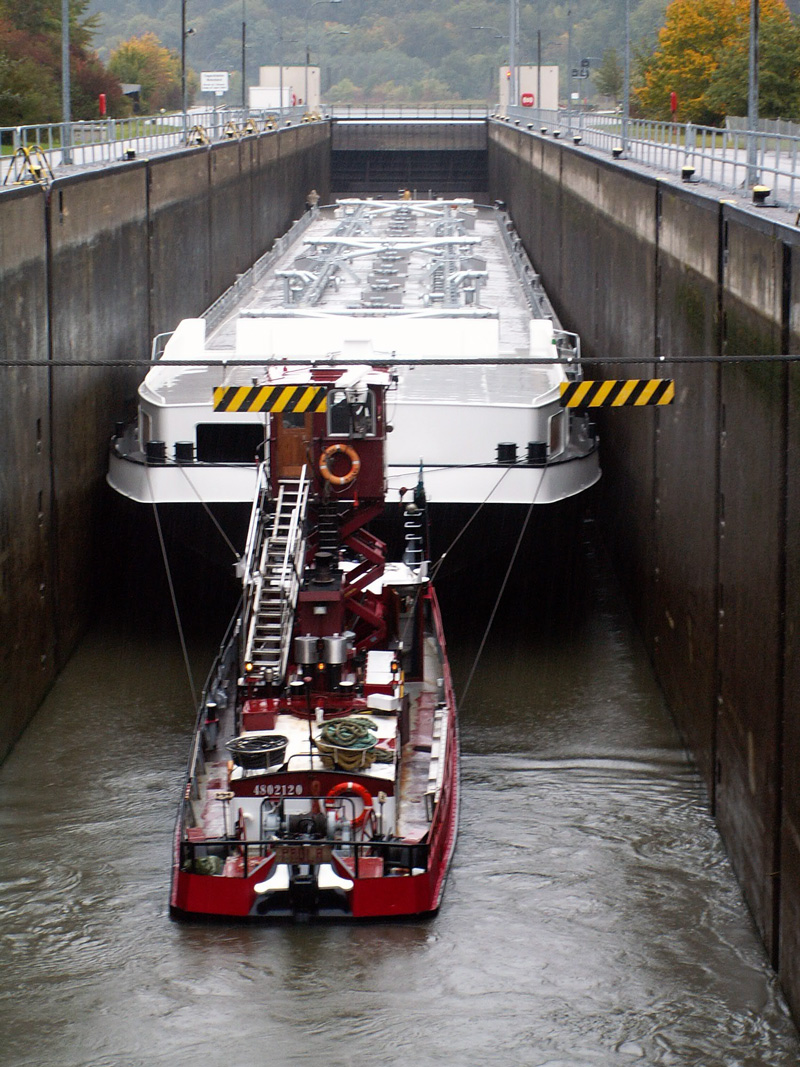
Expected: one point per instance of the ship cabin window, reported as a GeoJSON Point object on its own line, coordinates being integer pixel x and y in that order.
{"type": "Point", "coordinates": [351, 412]}
{"type": "Point", "coordinates": [293, 420]}
{"type": "Point", "coordinates": [558, 433]}
{"type": "Point", "coordinates": [232, 442]}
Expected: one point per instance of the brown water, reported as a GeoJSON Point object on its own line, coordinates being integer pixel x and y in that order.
{"type": "Point", "coordinates": [590, 917]}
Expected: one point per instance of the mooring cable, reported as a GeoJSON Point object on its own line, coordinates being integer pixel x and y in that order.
{"type": "Point", "coordinates": [210, 513]}
{"type": "Point", "coordinates": [175, 605]}
{"type": "Point", "coordinates": [510, 567]}
{"type": "Point", "coordinates": [437, 565]}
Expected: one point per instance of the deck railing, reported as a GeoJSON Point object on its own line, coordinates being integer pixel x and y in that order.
{"type": "Point", "coordinates": [403, 855]}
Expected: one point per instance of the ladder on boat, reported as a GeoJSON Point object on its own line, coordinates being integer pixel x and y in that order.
{"type": "Point", "coordinates": [273, 577]}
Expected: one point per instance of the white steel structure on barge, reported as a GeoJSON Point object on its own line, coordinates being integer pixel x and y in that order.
{"type": "Point", "coordinates": [441, 294]}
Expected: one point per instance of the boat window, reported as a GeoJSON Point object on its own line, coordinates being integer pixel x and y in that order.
{"type": "Point", "coordinates": [293, 419]}
{"type": "Point", "coordinates": [351, 413]}
{"type": "Point", "coordinates": [233, 442]}
{"type": "Point", "coordinates": [557, 436]}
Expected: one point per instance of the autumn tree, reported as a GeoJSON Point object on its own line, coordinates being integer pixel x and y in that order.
{"type": "Point", "coordinates": [144, 61]}
{"type": "Point", "coordinates": [30, 64]}
{"type": "Point", "coordinates": [702, 55]}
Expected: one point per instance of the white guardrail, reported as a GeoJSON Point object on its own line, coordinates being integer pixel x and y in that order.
{"type": "Point", "coordinates": [733, 159]}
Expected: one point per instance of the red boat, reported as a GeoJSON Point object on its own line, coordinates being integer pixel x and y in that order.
{"type": "Point", "coordinates": [323, 780]}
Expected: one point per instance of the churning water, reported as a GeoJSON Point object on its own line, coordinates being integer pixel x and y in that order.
{"type": "Point", "coordinates": [590, 918]}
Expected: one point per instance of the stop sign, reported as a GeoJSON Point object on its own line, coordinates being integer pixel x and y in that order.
{"type": "Point", "coordinates": [527, 99]}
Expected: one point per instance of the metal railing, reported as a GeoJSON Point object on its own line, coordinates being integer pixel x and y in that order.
{"type": "Point", "coordinates": [111, 140]}
{"type": "Point", "coordinates": [256, 851]}
{"type": "Point", "coordinates": [407, 111]}
{"type": "Point", "coordinates": [736, 160]}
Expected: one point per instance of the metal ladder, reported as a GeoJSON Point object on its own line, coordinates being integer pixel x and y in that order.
{"type": "Point", "coordinates": [276, 579]}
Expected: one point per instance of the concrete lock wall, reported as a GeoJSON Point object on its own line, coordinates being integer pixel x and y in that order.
{"type": "Point", "coordinates": [700, 506]}
{"type": "Point", "coordinates": [27, 627]}
{"type": "Point", "coordinates": [90, 271]}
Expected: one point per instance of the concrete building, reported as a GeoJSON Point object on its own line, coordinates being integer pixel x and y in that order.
{"type": "Point", "coordinates": [291, 86]}
{"type": "Point", "coordinates": [528, 82]}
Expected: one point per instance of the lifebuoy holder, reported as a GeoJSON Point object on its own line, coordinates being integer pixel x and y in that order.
{"type": "Point", "coordinates": [333, 450]}
{"type": "Point", "coordinates": [351, 788]}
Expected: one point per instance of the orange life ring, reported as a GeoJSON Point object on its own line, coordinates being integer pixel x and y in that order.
{"type": "Point", "coordinates": [355, 464]}
{"type": "Point", "coordinates": [360, 791]}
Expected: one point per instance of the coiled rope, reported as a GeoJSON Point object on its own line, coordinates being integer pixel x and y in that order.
{"type": "Point", "coordinates": [350, 743]}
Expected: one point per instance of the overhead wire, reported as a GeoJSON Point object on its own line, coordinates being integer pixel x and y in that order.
{"type": "Point", "coordinates": [334, 360]}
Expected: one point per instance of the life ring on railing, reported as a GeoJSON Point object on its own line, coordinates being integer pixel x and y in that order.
{"type": "Point", "coordinates": [327, 473]}
{"type": "Point", "coordinates": [352, 788]}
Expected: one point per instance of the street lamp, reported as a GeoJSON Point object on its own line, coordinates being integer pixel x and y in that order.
{"type": "Point", "coordinates": [513, 36]}
{"type": "Point", "coordinates": [184, 34]}
{"type": "Point", "coordinates": [244, 65]}
{"type": "Point", "coordinates": [308, 57]}
{"type": "Point", "coordinates": [498, 37]}
{"type": "Point", "coordinates": [752, 94]}
{"type": "Point", "coordinates": [66, 114]}
{"type": "Point", "coordinates": [626, 93]}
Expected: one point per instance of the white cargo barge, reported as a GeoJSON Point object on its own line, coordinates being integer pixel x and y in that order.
{"type": "Point", "coordinates": [441, 294]}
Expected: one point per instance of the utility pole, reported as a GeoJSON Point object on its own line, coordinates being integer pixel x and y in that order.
{"type": "Point", "coordinates": [183, 64]}
{"type": "Point", "coordinates": [569, 59]}
{"type": "Point", "coordinates": [244, 61]}
{"type": "Point", "coordinates": [539, 69]}
{"type": "Point", "coordinates": [626, 92]}
{"type": "Point", "coordinates": [752, 96]}
{"type": "Point", "coordinates": [512, 53]}
{"type": "Point", "coordinates": [66, 111]}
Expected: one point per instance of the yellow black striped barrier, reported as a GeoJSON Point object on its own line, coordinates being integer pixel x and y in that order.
{"type": "Point", "coordinates": [299, 398]}
{"type": "Point", "coordinates": [617, 393]}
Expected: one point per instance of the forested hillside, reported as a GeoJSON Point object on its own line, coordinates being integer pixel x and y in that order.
{"type": "Point", "coordinates": [368, 50]}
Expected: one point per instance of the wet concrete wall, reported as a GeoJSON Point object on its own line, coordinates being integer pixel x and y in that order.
{"type": "Point", "coordinates": [89, 272]}
{"type": "Point", "coordinates": [700, 503]}
{"type": "Point", "coordinates": [27, 629]}
{"type": "Point", "coordinates": [431, 158]}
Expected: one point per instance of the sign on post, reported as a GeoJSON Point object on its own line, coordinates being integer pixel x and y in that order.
{"type": "Point", "coordinates": [213, 81]}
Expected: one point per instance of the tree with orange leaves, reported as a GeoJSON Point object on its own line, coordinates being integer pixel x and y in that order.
{"type": "Point", "coordinates": [702, 55]}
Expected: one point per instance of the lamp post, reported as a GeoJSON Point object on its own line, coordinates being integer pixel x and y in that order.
{"type": "Point", "coordinates": [308, 56]}
{"type": "Point", "coordinates": [184, 34]}
{"type": "Point", "coordinates": [66, 111]}
{"type": "Point", "coordinates": [244, 62]}
{"type": "Point", "coordinates": [513, 34]}
{"type": "Point", "coordinates": [498, 37]}
{"type": "Point", "coordinates": [626, 92]}
{"type": "Point", "coordinates": [752, 95]}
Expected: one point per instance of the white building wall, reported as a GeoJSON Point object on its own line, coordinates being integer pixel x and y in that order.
{"type": "Point", "coordinates": [528, 81]}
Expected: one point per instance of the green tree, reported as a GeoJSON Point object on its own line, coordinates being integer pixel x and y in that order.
{"type": "Point", "coordinates": [702, 55]}
{"type": "Point", "coordinates": [610, 75]}
{"type": "Point", "coordinates": [144, 61]}
{"type": "Point", "coordinates": [30, 64]}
